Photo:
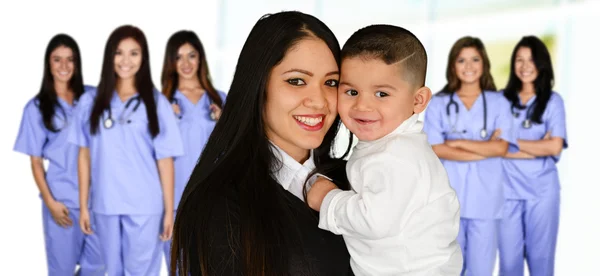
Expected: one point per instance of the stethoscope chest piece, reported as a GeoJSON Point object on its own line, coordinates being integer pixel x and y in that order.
{"type": "Point", "coordinates": [483, 133]}
{"type": "Point", "coordinates": [527, 122]}
{"type": "Point", "coordinates": [108, 123]}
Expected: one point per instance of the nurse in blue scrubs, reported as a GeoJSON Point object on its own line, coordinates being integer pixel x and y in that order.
{"type": "Point", "coordinates": [43, 135]}
{"type": "Point", "coordinates": [531, 212]}
{"type": "Point", "coordinates": [128, 136]}
{"type": "Point", "coordinates": [197, 104]}
{"type": "Point", "coordinates": [470, 129]}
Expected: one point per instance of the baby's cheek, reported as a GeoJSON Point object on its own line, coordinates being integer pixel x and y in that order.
{"type": "Point", "coordinates": [343, 107]}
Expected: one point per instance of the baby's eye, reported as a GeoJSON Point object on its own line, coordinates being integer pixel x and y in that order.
{"type": "Point", "coordinates": [381, 94]}
{"type": "Point", "coordinates": [352, 92]}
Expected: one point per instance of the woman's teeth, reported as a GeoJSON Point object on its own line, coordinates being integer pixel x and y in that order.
{"type": "Point", "coordinates": [311, 121]}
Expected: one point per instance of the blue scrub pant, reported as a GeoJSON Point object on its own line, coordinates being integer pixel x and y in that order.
{"type": "Point", "coordinates": [67, 247]}
{"type": "Point", "coordinates": [528, 232]}
{"type": "Point", "coordinates": [131, 244]}
{"type": "Point", "coordinates": [478, 241]}
{"type": "Point", "coordinates": [167, 249]}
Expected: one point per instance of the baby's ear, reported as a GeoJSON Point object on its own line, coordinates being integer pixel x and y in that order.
{"type": "Point", "coordinates": [421, 97]}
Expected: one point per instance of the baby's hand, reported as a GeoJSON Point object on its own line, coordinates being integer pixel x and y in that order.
{"type": "Point", "coordinates": [318, 191]}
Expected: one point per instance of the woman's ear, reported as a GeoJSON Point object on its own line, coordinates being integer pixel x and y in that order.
{"type": "Point", "coordinates": [422, 97]}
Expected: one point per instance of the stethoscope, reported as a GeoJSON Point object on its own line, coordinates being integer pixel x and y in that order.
{"type": "Point", "coordinates": [483, 133]}
{"type": "Point", "coordinates": [109, 122]}
{"type": "Point", "coordinates": [527, 122]}
{"type": "Point", "coordinates": [213, 116]}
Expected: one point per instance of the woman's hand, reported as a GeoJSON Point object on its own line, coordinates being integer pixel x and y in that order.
{"type": "Point", "coordinates": [496, 135]}
{"type": "Point", "coordinates": [60, 213]}
{"type": "Point", "coordinates": [215, 112]}
{"type": "Point", "coordinates": [453, 143]}
{"type": "Point", "coordinates": [547, 136]}
{"type": "Point", "coordinates": [167, 226]}
{"type": "Point", "coordinates": [84, 221]}
{"type": "Point", "coordinates": [176, 109]}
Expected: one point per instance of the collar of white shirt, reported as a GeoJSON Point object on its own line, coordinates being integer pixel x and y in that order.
{"type": "Point", "coordinates": [410, 125]}
{"type": "Point", "coordinates": [292, 175]}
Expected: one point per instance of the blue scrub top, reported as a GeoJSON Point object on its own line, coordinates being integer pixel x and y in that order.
{"type": "Point", "coordinates": [124, 173]}
{"type": "Point", "coordinates": [534, 178]}
{"type": "Point", "coordinates": [35, 139]}
{"type": "Point", "coordinates": [195, 127]}
{"type": "Point", "coordinates": [478, 184]}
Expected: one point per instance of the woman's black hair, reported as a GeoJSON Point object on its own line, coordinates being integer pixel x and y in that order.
{"type": "Point", "coordinates": [543, 83]}
{"type": "Point", "coordinates": [47, 99]}
{"type": "Point", "coordinates": [170, 77]}
{"type": "Point", "coordinates": [239, 158]}
{"type": "Point", "coordinates": [108, 79]}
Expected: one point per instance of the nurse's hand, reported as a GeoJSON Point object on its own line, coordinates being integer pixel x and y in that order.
{"type": "Point", "coordinates": [167, 227]}
{"type": "Point", "coordinates": [496, 135]}
{"type": "Point", "coordinates": [453, 143]}
{"type": "Point", "coordinates": [548, 136]}
{"type": "Point", "coordinates": [318, 191]}
{"type": "Point", "coordinates": [60, 213]}
{"type": "Point", "coordinates": [216, 111]}
{"type": "Point", "coordinates": [84, 221]}
{"type": "Point", "coordinates": [176, 109]}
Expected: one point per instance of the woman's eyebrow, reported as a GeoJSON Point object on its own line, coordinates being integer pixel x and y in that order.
{"type": "Point", "coordinates": [298, 71]}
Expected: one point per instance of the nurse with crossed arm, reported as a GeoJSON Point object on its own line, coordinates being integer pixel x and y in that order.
{"type": "Point", "coordinates": [469, 126]}
{"type": "Point", "coordinates": [531, 212]}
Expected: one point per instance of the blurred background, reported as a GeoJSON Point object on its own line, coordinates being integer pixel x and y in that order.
{"type": "Point", "coordinates": [568, 27]}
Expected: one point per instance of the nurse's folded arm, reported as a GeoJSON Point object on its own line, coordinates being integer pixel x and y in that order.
{"type": "Point", "coordinates": [490, 148]}
{"type": "Point", "coordinates": [59, 211]}
{"type": "Point", "coordinates": [546, 147]}
{"type": "Point", "coordinates": [83, 170]}
{"type": "Point", "coordinates": [167, 179]}
{"type": "Point", "coordinates": [554, 146]}
{"type": "Point", "coordinates": [519, 155]}
{"type": "Point", "coordinates": [447, 152]}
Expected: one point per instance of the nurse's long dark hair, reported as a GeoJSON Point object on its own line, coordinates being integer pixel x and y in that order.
{"type": "Point", "coordinates": [486, 82]}
{"type": "Point", "coordinates": [543, 83]}
{"type": "Point", "coordinates": [108, 79]}
{"type": "Point", "coordinates": [47, 98]}
{"type": "Point", "coordinates": [238, 162]}
{"type": "Point", "coordinates": [170, 79]}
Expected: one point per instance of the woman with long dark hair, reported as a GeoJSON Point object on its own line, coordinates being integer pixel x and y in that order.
{"type": "Point", "coordinates": [186, 83]}
{"type": "Point", "coordinates": [531, 212]}
{"type": "Point", "coordinates": [43, 135]}
{"type": "Point", "coordinates": [243, 210]}
{"type": "Point", "coordinates": [470, 129]}
{"type": "Point", "coordinates": [128, 136]}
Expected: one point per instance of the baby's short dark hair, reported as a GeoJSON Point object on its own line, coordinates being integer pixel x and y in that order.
{"type": "Point", "coordinates": [390, 44]}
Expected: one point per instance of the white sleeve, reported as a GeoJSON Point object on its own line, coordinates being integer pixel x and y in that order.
{"type": "Point", "coordinates": [388, 187]}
